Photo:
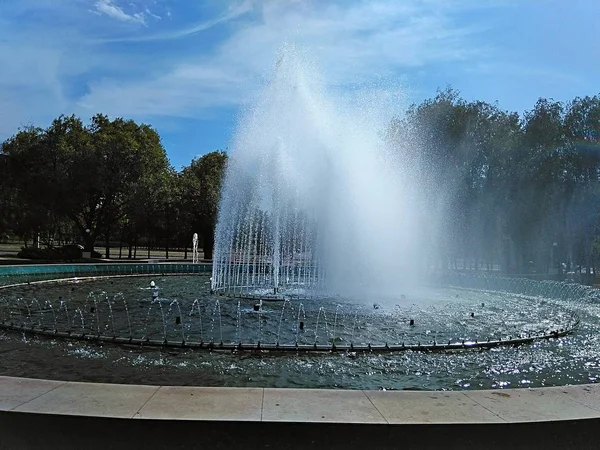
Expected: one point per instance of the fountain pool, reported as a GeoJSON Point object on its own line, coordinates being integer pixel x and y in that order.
{"type": "Point", "coordinates": [456, 310]}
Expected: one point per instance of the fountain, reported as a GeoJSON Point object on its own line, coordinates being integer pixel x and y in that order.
{"type": "Point", "coordinates": [319, 250]}
{"type": "Point", "coordinates": [195, 257]}
{"type": "Point", "coordinates": [529, 328]}
{"type": "Point", "coordinates": [185, 316]}
{"type": "Point", "coordinates": [313, 202]}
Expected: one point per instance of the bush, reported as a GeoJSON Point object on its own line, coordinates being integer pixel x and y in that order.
{"type": "Point", "coordinates": [39, 253]}
{"type": "Point", "coordinates": [67, 252]}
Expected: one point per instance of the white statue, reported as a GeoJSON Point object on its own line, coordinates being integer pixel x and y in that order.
{"type": "Point", "coordinates": [195, 258]}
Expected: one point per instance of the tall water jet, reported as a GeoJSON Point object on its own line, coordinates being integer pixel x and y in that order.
{"type": "Point", "coordinates": [313, 201]}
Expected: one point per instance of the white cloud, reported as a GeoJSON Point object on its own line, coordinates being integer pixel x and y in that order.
{"type": "Point", "coordinates": [64, 59]}
{"type": "Point", "coordinates": [30, 88]}
{"type": "Point", "coordinates": [234, 11]}
{"type": "Point", "coordinates": [115, 12]}
{"type": "Point", "coordinates": [151, 14]}
{"type": "Point", "coordinates": [180, 93]}
{"type": "Point", "coordinates": [352, 41]}
{"type": "Point", "coordinates": [358, 40]}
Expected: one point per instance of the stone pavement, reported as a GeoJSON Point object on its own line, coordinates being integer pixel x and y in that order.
{"type": "Point", "coordinates": [299, 405]}
{"type": "Point", "coordinates": [54, 414]}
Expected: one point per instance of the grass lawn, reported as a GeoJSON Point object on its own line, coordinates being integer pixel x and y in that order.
{"type": "Point", "coordinates": [10, 247]}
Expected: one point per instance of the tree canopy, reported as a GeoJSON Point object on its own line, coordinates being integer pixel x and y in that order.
{"type": "Point", "coordinates": [202, 180]}
{"type": "Point", "coordinates": [516, 192]}
{"type": "Point", "coordinates": [522, 192]}
{"type": "Point", "coordinates": [85, 175]}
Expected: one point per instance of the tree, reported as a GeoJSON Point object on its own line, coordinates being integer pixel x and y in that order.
{"type": "Point", "coordinates": [202, 181]}
{"type": "Point", "coordinates": [582, 208]}
{"type": "Point", "coordinates": [457, 152]}
{"type": "Point", "coordinates": [29, 165]}
{"type": "Point", "coordinates": [85, 174]}
{"type": "Point", "coordinates": [8, 202]}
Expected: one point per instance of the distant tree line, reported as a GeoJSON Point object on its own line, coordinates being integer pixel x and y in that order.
{"type": "Point", "coordinates": [107, 181]}
{"type": "Point", "coordinates": [517, 192]}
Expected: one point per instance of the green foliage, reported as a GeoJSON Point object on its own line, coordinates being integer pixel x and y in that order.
{"type": "Point", "coordinates": [201, 182]}
{"type": "Point", "coordinates": [508, 188]}
{"type": "Point", "coordinates": [68, 253]}
{"type": "Point", "coordinates": [88, 175]}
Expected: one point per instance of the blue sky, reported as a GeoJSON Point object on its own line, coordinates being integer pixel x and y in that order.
{"type": "Point", "coordinates": [187, 67]}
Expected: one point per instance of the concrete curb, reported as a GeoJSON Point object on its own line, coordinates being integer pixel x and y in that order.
{"type": "Point", "coordinates": [69, 415]}
{"type": "Point", "coordinates": [299, 405]}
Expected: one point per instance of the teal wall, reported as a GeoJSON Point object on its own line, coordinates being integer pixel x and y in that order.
{"type": "Point", "coordinates": [28, 273]}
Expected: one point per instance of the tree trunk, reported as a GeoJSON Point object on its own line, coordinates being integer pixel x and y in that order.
{"type": "Point", "coordinates": [167, 229]}
{"type": "Point", "coordinates": [130, 244]}
{"type": "Point", "coordinates": [88, 242]}
{"type": "Point", "coordinates": [208, 237]}
{"type": "Point", "coordinates": [107, 246]}
{"type": "Point", "coordinates": [121, 243]}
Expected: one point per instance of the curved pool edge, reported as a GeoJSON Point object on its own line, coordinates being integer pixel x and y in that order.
{"type": "Point", "coordinates": [95, 415]}
{"type": "Point", "coordinates": [128, 401]}
{"type": "Point", "coordinates": [19, 273]}
{"type": "Point", "coordinates": [88, 415]}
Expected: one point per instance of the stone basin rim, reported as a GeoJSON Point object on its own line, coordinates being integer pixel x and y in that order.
{"type": "Point", "coordinates": [256, 404]}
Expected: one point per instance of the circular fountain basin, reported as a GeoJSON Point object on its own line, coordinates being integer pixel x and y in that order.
{"type": "Point", "coordinates": [186, 312]}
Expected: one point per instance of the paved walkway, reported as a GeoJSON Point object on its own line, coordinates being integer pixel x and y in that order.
{"type": "Point", "coordinates": [68, 415]}
{"type": "Point", "coordinates": [298, 405]}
